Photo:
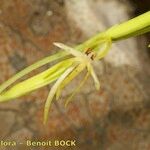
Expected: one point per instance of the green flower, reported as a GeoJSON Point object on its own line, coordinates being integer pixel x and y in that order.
{"type": "Point", "coordinates": [78, 59]}
{"type": "Point", "coordinates": [62, 72]}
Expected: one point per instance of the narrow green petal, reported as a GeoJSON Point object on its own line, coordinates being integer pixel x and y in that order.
{"type": "Point", "coordinates": [95, 78]}
{"type": "Point", "coordinates": [104, 48]}
{"type": "Point", "coordinates": [36, 81]}
{"type": "Point", "coordinates": [31, 68]}
{"type": "Point", "coordinates": [70, 77]}
{"type": "Point", "coordinates": [53, 91]}
{"type": "Point", "coordinates": [68, 49]}
{"type": "Point", "coordinates": [77, 89]}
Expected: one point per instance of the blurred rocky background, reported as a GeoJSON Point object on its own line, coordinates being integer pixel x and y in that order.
{"type": "Point", "coordinates": [115, 118]}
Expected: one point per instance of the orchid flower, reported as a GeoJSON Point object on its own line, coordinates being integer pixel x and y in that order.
{"type": "Point", "coordinates": [64, 71]}
{"type": "Point", "coordinates": [78, 59]}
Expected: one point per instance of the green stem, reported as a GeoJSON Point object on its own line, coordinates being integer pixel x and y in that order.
{"type": "Point", "coordinates": [136, 26]}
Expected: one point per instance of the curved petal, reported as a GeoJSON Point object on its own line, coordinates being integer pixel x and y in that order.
{"type": "Point", "coordinates": [104, 49]}
{"type": "Point", "coordinates": [95, 78]}
{"type": "Point", "coordinates": [36, 81]}
{"type": "Point", "coordinates": [53, 91]}
{"type": "Point", "coordinates": [68, 49]}
{"type": "Point", "coordinates": [31, 68]}
{"type": "Point", "coordinates": [70, 77]}
{"type": "Point", "coordinates": [77, 89]}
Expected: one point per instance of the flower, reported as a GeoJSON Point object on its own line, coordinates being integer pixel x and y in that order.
{"type": "Point", "coordinates": [63, 72]}
{"type": "Point", "coordinates": [81, 58]}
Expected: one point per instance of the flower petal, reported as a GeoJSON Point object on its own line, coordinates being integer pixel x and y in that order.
{"type": "Point", "coordinates": [70, 77]}
{"type": "Point", "coordinates": [77, 89]}
{"type": "Point", "coordinates": [31, 68]}
{"type": "Point", "coordinates": [95, 78]}
{"type": "Point", "coordinates": [68, 49]}
{"type": "Point", "coordinates": [104, 48]}
{"type": "Point", "coordinates": [53, 91]}
{"type": "Point", "coordinates": [36, 81]}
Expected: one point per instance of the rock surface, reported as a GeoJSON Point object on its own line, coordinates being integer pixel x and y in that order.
{"type": "Point", "coordinates": [115, 118]}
